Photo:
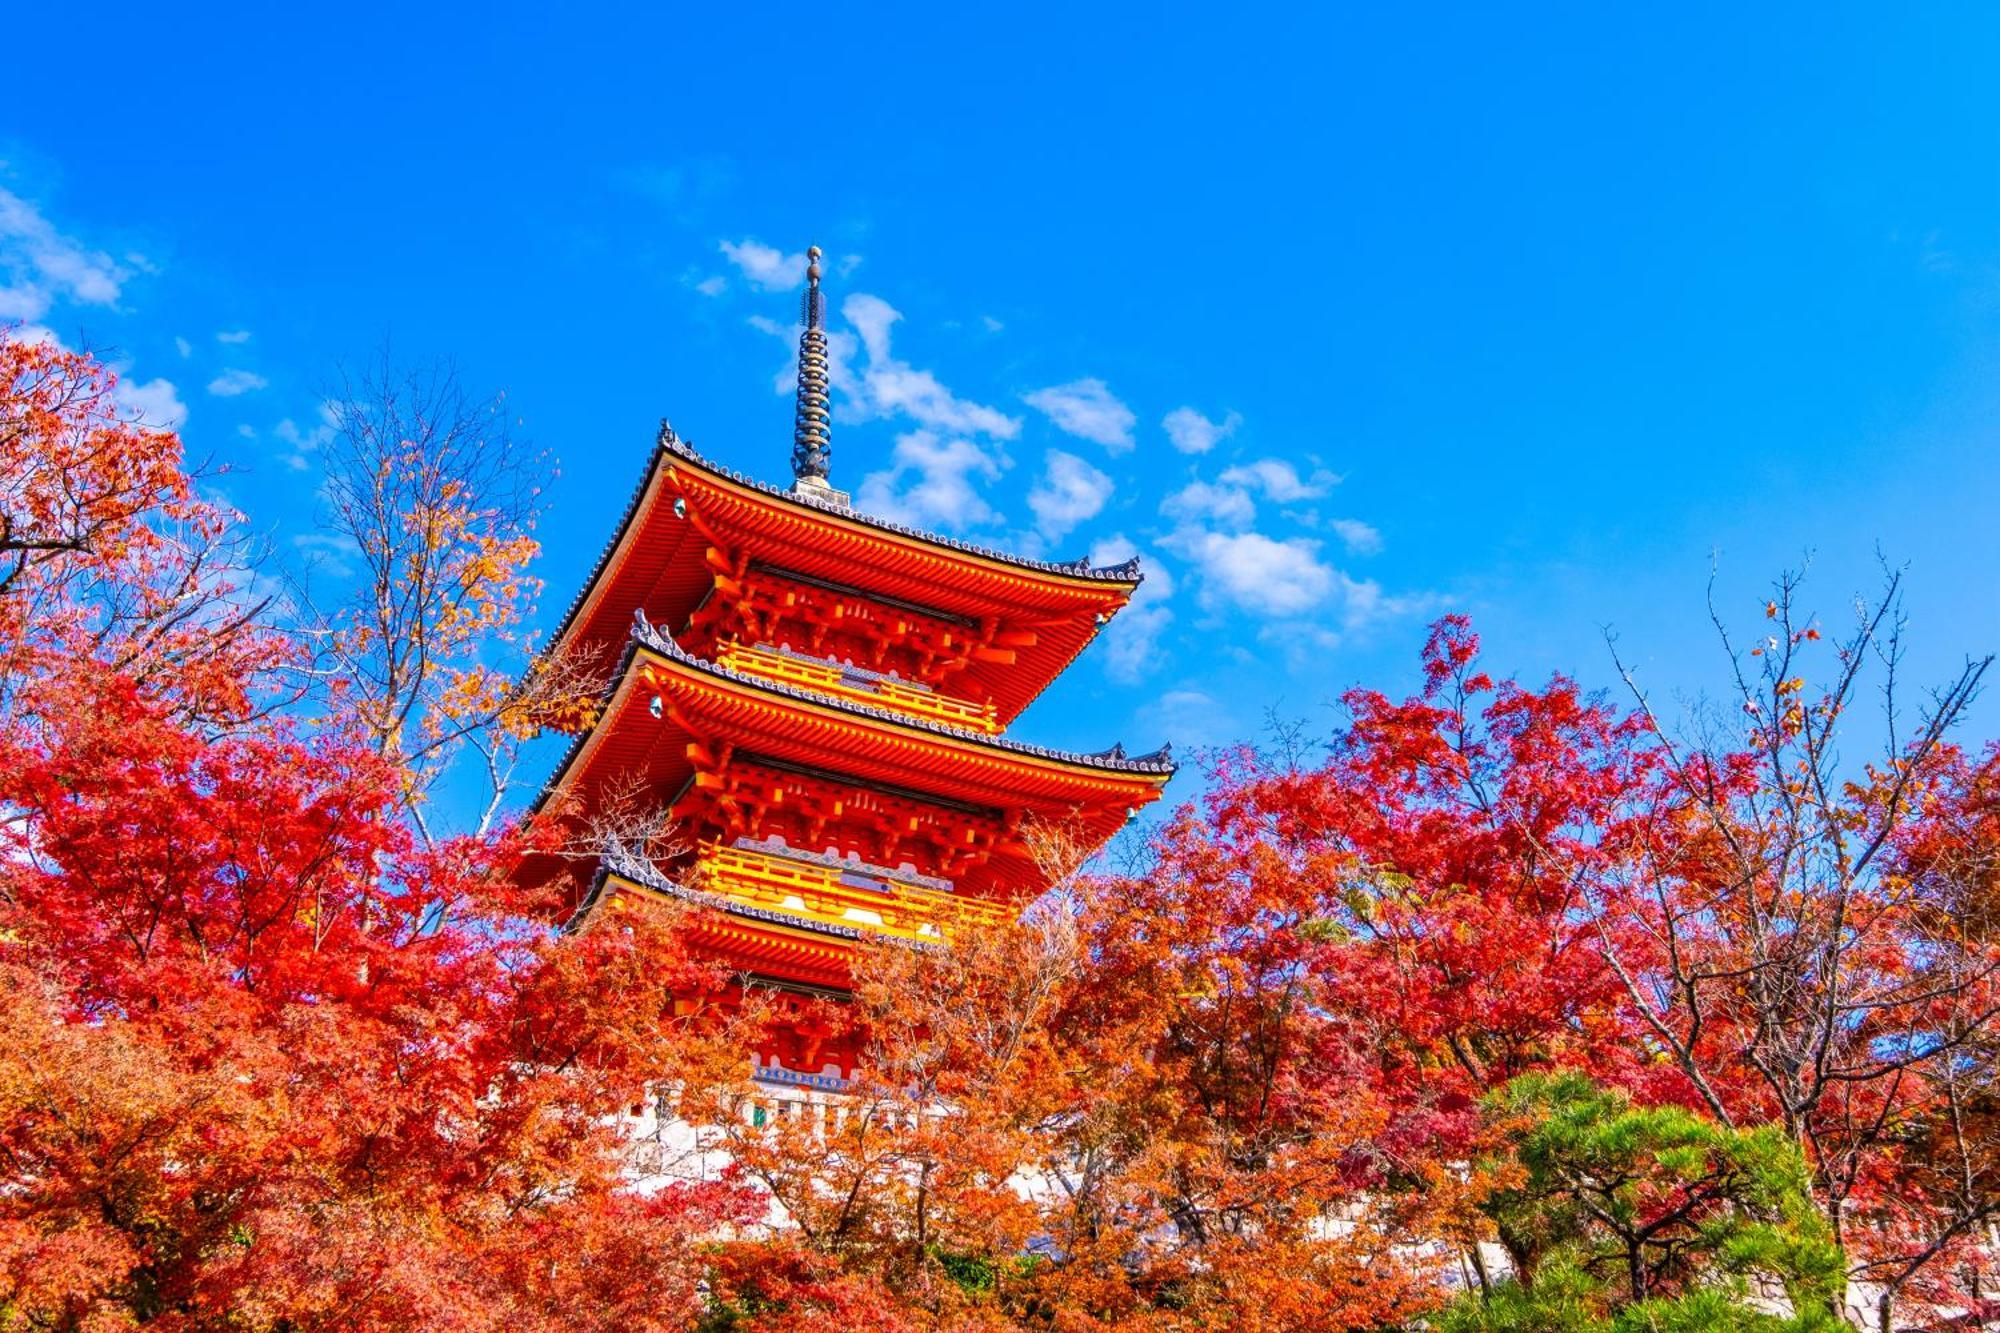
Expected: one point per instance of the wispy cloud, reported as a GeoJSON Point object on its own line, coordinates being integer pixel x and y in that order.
{"type": "Point", "coordinates": [1279, 480]}
{"type": "Point", "coordinates": [1206, 502]}
{"type": "Point", "coordinates": [1087, 409]}
{"type": "Point", "coordinates": [39, 265]}
{"type": "Point", "coordinates": [1256, 573]}
{"type": "Point", "coordinates": [714, 285]}
{"type": "Point", "coordinates": [307, 440]}
{"type": "Point", "coordinates": [937, 470]}
{"type": "Point", "coordinates": [1289, 583]}
{"type": "Point", "coordinates": [184, 347]}
{"type": "Point", "coordinates": [333, 552]}
{"type": "Point", "coordinates": [872, 383]}
{"type": "Point", "coordinates": [885, 385]}
{"type": "Point", "coordinates": [233, 336]}
{"type": "Point", "coordinates": [1230, 500]}
{"type": "Point", "coordinates": [1192, 433]}
{"type": "Point", "coordinates": [767, 268]}
{"type": "Point", "coordinates": [933, 481]}
{"type": "Point", "coordinates": [235, 383]}
{"type": "Point", "coordinates": [1360, 538]}
{"type": "Point", "coordinates": [152, 402]}
{"type": "Point", "coordinates": [1069, 492]}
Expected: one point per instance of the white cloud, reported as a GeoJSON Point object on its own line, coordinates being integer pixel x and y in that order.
{"type": "Point", "coordinates": [1087, 409]}
{"type": "Point", "coordinates": [1256, 573]}
{"type": "Point", "coordinates": [233, 336]}
{"type": "Point", "coordinates": [1228, 500]}
{"type": "Point", "coordinates": [1203, 502]}
{"type": "Point", "coordinates": [333, 552]}
{"type": "Point", "coordinates": [39, 265]}
{"type": "Point", "coordinates": [153, 402]}
{"type": "Point", "coordinates": [1279, 480]}
{"type": "Point", "coordinates": [184, 347]}
{"type": "Point", "coordinates": [1190, 718]}
{"type": "Point", "coordinates": [1361, 538]}
{"type": "Point", "coordinates": [992, 325]}
{"type": "Point", "coordinates": [768, 269]}
{"type": "Point", "coordinates": [884, 386]}
{"type": "Point", "coordinates": [1131, 644]}
{"type": "Point", "coordinates": [1192, 433]}
{"type": "Point", "coordinates": [712, 286]}
{"type": "Point", "coordinates": [875, 384]}
{"type": "Point", "coordinates": [931, 482]}
{"type": "Point", "coordinates": [1069, 492]}
{"type": "Point", "coordinates": [937, 469]}
{"type": "Point", "coordinates": [234, 383]}
{"type": "Point", "coordinates": [310, 441]}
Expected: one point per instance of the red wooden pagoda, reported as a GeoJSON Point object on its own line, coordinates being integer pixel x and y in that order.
{"type": "Point", "coordinates": [818, 700]}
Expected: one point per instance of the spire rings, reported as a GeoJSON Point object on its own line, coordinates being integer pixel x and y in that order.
{"type": "Point", "coordinates": [812, 428]}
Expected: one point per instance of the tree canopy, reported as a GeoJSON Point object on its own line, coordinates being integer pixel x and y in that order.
{"type": "Point", "coordinates": [1513, 1007]}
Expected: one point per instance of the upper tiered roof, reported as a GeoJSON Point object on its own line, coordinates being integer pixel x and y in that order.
{"type": "Point", "coordinates": [657, 563]}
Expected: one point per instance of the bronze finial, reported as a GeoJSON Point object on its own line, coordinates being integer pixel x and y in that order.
{"type": "Point", "coordinates": [812, 430]}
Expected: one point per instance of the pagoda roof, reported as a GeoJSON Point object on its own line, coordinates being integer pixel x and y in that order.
{"type": "Point", "coordinates": [756, 938]}
{"type": "Point", "coordinates": [648, 636]}
{"type": "Point", "coordinates": [619, 863]}
{"type": "Point", "coordinates": [797, 725]}
{"type": "Point", "coordinates": [655, 563]}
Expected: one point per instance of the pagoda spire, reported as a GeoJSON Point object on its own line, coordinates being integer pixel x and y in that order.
{"type": "Point", "coordinates": [812, 430]}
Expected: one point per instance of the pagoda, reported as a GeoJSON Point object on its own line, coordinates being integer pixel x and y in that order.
{"type": "Point", "coordinates": [815, 702]}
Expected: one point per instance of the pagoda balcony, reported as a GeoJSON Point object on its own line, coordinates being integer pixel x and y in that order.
{"type": "Point", "coordinates": [839, 896]}
{"type": "Point", "coordinates": [861, 686]}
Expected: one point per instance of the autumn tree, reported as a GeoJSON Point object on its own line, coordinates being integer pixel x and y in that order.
{"type": "Point", "coordinates": [108, 553]}
{"type": "Point", "coordinates": [434, 498]}
{"type": "Point", "coordinates": [255, 1080]}
{"type": "Point", "coordinates": [1133, 1106]}
{"type": "Point", "coordinates": [1487, 880]}
{"type": "Point", "coordinates": [1789, 959]}
{"type": "Point", "coordinates": [1431, 868]}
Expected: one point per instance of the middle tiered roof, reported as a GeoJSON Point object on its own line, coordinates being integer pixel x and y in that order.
{"type": "Point", "coordinates": [696, 735]}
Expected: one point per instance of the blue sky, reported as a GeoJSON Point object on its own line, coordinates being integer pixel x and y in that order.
{"type": "Point", "coordinates": [1341, 319]}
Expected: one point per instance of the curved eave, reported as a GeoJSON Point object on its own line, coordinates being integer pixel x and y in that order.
{"type": "Point", "coordinates": [960, 577]}
{"type": "Point", "coordinates": [1142, 776]}
{"type": "Point", "coordinates": [755, 938]}
{"type": "Point", "coordinates": [630, 873]}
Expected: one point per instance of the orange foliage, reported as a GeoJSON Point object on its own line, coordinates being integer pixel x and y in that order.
{"type": "Point", "coordinates": [282, 1057]}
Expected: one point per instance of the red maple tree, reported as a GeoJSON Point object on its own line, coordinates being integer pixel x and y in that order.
{"type": "Point", "coordinates": [275, 1061]}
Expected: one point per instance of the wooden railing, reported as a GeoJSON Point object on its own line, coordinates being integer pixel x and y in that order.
{"type": "Point", "coordinates": [849, 898]}
{"type": "Point", "coordinates": [876, 691]}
